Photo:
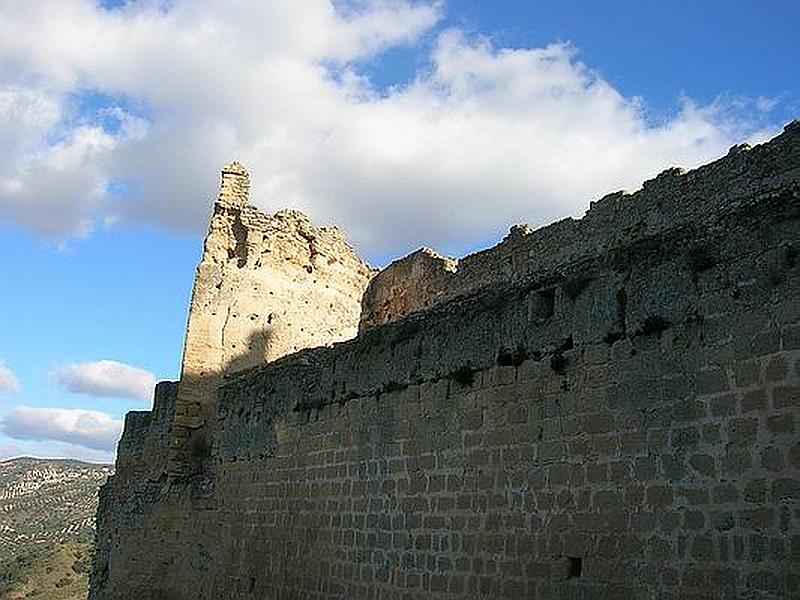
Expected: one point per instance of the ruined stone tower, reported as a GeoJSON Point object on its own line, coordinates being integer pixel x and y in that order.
{"type": "Point", "coordinates": [267, 286]}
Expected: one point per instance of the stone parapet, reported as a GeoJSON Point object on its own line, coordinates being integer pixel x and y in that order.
{"type": "Point", "coordinates": [673, 200]}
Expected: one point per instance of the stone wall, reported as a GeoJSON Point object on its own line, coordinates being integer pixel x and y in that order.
{"type": "Point", "coordinates": [671, 200]}
{"type": "Point", "coordinates": [141, 450]}
{"type": "Point", "coordinates": [412, 283]}
{"type": "Point", "coordinates": [620, 421]}
{"type": "Point", "coordinates": [267, 286]}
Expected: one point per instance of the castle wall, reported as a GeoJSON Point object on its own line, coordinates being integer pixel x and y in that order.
{"type": "Point", "coordinates": [412, 283]}
{"type": "Point", "coordinates": [620, 424]}
{"type": "Point", "coordinates": [673, 199]}
{"type": "Point", "coordinates": [140, 453]}
{"type": "Point", "coordinates": [267, 286]}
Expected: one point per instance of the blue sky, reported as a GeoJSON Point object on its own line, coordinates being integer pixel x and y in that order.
{"type": "Point", "coordinates": [407, 124]}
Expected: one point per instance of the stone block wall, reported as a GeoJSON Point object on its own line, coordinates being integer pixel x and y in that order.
{"type": "Point", "coordinates": [623, 423]}
{"type": "Point", "coordinates": [672, 200]}
{"type": "Point", "coordinates": [267, 286]}
{"type": "Point", "coordinates": [140, 453]}
{"type": "Point", "coordinates": [410, 284]}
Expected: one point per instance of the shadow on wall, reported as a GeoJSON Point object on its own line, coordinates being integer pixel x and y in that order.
{"type": "Point", "coordinates": [196, 407]}
{"type": "Point", "coordinates": [253, 354]}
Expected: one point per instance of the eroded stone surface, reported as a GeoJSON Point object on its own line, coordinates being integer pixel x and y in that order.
{"type": "Point", "coordinates": [410, 284]}
{"type": "Point", "coordinates": [671, 200]}
{"type": "Point", "coordinates": [267, 286]}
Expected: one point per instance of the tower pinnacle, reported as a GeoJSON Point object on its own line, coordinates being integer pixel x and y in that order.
{"type": "Point", "coordinates": [235, 187]}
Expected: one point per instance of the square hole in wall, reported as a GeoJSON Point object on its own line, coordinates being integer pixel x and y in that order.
{"type": "Point", "coordinates": [543, 304]}
{"type": "Point", "coordinates": [574, 567]}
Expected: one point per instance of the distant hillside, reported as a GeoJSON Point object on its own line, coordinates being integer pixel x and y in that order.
{"type": "Point", "coordinates": [47, 510]}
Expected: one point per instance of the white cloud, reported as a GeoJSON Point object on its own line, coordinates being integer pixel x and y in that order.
{"type": "Point", "coordinates": [483, 137]}
{"type": "Point", "coordinates": [106, 378]}
{"type": "Point", "coordinates": [87, 428]}
{"type": "Point", "coordinates": [8, 381]}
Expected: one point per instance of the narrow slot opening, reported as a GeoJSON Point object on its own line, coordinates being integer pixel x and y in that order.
{"type": "Point", "coordinates": [547, 303]}
{"type": "Point", "coordinates": [575, 567]}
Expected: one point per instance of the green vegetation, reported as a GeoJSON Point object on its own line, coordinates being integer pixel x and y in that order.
{"type": "Point", "coordinates": [59, 572]}
{"type": "Point", "coordinates": [47, 509]}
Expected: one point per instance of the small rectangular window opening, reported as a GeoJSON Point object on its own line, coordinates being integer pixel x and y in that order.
{"type": "Point", "coordinates": [575, 567]}
{"type": "Point", "coordinates": [543, 304]}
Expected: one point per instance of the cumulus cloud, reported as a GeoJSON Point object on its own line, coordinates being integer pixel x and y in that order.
{"type": "Point", "coordinates": [106, 378]}
{"type": "Point", "coordinates": [8, 381]}
{"type": "Point", "coordinates": [87, 428]}
{"type": "Point", "coordinates": [481, 137]}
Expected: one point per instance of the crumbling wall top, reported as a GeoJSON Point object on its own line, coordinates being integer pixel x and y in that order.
{"type": "Point", "coordinates": [268, 285]}
{"type": "Point", "coordinates": [235, 187]}
{"type": "Point", "coordinates": [408, 284]}
{"type": "Point", "coordinates": [672, 200]}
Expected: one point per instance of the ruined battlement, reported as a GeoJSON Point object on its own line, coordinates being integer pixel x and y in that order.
{"type": "Point", "coordinates": [268, 285]}
{"type": "Point", "coordinates": [234, 189]}
{"type": "Point", "coordinates": [673, 200]}
{"type": "Point", "coordinates": [141, 451]}
{"type": "Point", "coordinates": [606, 407]}
{"type": "Point", "coordinates": [641, 267]}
